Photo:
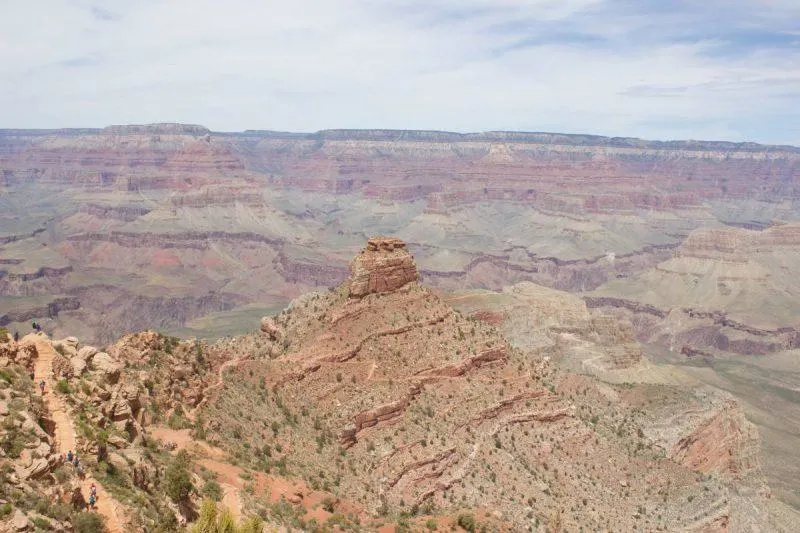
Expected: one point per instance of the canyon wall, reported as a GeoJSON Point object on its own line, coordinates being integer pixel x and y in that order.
{"type": "Point", "coordinates": [175, 211]}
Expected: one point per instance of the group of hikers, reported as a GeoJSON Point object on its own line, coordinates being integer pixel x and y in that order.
{"type": "Point", "coordinates": [73, 459]}
{"type": "Point", "coordinates": [69, 457]}
{"type": "Point", "coordinates": [34, 325]}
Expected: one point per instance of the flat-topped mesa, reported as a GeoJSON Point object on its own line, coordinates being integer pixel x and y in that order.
{"type": "Point", "coordinates": [384, 265]}
{"type": "Point", "coordinates": [165, 128]}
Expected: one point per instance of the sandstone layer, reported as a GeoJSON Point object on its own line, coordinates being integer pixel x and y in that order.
{"type": "Point", "coordinates": [383, 266]}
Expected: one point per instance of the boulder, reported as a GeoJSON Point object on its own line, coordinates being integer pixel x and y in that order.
{"type": "Point", "coordinates": [78, 365]}
{"type": "Point", "coordinates": [37, 468]}
{"type": "Point", "coordinates": [3, 408]}
{"type": "Point", "coordinates": [270, 327]}
{"type": "Point", "coordinates": [385, 265]}
{"type": "Point", "coordinates": [87, 352]}
{"type": "Point", "coordinates": [42, 450]}
{"type": "Point", "coordinates": [108, 368]}
{"type": "Point", "coordinates": [71, 341]}
{"type": "Point", "coordinates": [118, 409]}
{"type": "Point", "coordinates": [67, 350]}
{"type": "Point", "coordinates": [117, 441]}
{"type": "Point", "coordinates": [19, 522]}
{"type": "Point", "coordinates": [141, 476]}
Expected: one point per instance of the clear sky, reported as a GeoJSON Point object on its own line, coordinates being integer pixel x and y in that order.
{"type": "Point", "coordinates": [661, 69]}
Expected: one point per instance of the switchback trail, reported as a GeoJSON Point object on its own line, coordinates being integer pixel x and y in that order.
{"type": "Point", "coordinates": [65, 438]}
{"type": "Point", "coordinates": [231, 363]}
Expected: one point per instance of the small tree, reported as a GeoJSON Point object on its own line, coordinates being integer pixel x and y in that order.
{"type": "Point", "coordinates": [177, 478]}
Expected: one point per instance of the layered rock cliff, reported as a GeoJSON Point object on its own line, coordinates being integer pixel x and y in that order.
{"type": "Point", "coordinates": [383, 266]}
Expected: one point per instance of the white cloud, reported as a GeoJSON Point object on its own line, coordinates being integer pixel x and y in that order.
{"type": "Point", "coordinates": [578, 65]}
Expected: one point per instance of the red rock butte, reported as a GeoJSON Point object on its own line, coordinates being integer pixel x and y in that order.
{"type": "Point", "coordinates": [384, 265]}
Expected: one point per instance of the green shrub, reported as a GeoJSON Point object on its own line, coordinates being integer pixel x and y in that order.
{"type": "Point", "coordinates": [6, 509]}
{"type": "Point", "coordinates": [212, 490]}
{"type": "Point", "coordinates": [467, 522]}
{"type": "Point", "coordinates": [431, 524]}
{"type": "Point", "coordinates": [12, 444]}
{"type": "Point", "coordinates": [60, 512]}
{"type": "Point", "coordinates": [7, 376]}
{"type": "Point", "coordinates": [88, 523]}
{"type": "Point", "coordinates": [63, 387]}
{"type": "Point", "coordinates": [3, 335]}
{"type": "Point", "coordinates": [41, 523]}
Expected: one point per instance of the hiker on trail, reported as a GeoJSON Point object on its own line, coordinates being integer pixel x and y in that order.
{"type": "Point", "coordinates": [79, 469]}
{"type": "Point", "coordinates": [93, 491]}
{"type": "Point", "coordinates": [69, 456]}
{"type": "Point", "coordinates": [41, 386]}
{"type": "Point", "coordinates": [76, 461]}
{"type": "Point", "coordinates": [16, 336]}
{"type": "Point", "coordinates": [92, 500]}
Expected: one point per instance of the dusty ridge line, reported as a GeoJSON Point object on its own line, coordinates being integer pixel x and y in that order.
{"type": "Point", "coordinates": [65, 436]}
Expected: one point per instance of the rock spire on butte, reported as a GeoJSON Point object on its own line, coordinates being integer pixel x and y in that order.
{"type": "Point", "coordinates": [384, 265]}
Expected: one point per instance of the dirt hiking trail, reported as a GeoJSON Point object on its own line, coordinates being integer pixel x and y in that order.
{"type": "Point", "coordinates": [210, 458]}
{"type": "Point", "coordinates": [64, 435]}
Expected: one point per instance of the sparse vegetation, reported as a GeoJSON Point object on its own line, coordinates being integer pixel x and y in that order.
{"type": "Point", "coordinates": [88, 523]}
{"type": "Point", "coordinates": [62, 387]}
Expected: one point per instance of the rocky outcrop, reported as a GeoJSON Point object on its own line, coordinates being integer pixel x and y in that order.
{"type": "Point", "coordinates": [271, 328]}
{"type": "Point", "coordinates": [108, 368]}
{"type": "Point", "coordinates": [383, 266]}
{"type": "Point", "coordinates": [593, 302]}
{"type": "Point", "coordinates": [618, 339]}
{"type": "Point", "coordinates": [737, 244]}
{"type": "Point", "coordinates": [196, 240]}
{"type": "Point", "coordinates": [62, 367]}
{"type": "Point", "coordinates": [725, 443]}
{"type": "Point", "coordinates": [544, 321]}
{"type": "Point", "coordinates": [50, 310]}
{"type": "Point", "coordinates": [313, 273]}
{"type": "Point", "coordinates": [116, 212]}
{"type": "Point", "coordinates": [377, 415]}
{"type": "Point", "coordinates": [459, 369]}
{"type": "Point", "coordinates": [21, 353]}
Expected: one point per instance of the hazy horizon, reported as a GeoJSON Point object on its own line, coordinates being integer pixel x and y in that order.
{"type": "Point", "coordinates": [442, 131]}
{"type": "Point", "coordinates": [721, 70]}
